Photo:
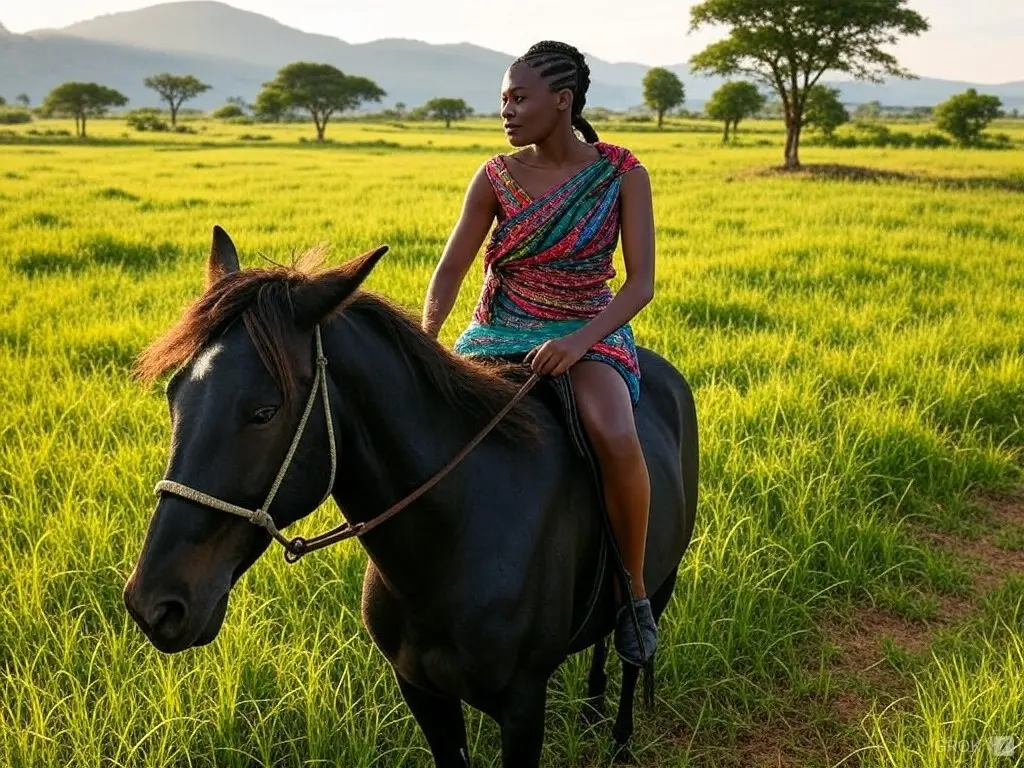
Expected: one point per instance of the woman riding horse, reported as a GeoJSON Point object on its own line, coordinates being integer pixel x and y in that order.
{"type": "Point", "coordinates": [473, 596]}
{"type": "Point", "coordinates": [560, 203]}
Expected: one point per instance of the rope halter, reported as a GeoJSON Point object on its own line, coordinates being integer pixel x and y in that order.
{"type": "Point", "coordinates": [293, 547]}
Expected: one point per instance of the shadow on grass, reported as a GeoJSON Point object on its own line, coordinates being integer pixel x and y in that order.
{"type": "Point", "coordinates": [100, 251]}
{"type": "Point", "coordinates": [857, 173]}
{"type": "Point", "coordinates": [303, 142]}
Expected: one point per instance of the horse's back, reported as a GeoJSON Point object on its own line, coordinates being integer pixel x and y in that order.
{"type": "Point", "coordinates": [666, 419]}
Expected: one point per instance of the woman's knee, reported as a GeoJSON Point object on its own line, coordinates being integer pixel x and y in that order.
{"type": "Point", "coordinates": [611, 431]}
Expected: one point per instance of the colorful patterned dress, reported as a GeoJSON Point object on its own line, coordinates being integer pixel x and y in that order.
{"type": "Point", "coordinates": [548, 263]}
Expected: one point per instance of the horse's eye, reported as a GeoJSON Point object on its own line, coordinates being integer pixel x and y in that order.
{"type": "Point", "coordinates": [265, 414]}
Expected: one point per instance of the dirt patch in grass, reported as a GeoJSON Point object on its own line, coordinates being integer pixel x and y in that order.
{"type": "Point", "coordinates": [998, 551]}
{"type": "Point", "coordinates": [868, 644]}
{"type": "Point", "coordinates": [870, 655]}
{"type": "Point", "coordinates": [871, 652]}
{"type": "Point", "coordinates": [836, 172]}
{"type": "Point", "coordinates": [809, 737]}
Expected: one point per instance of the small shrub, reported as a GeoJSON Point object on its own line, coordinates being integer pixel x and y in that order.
{"type": "Point", "coordinates": [901, 139]}
{"type": "Point", "coordinates": [931, 140]}
{"type": "Point", "coordinates": [228, 111]}
{"type": "Point", "coordinates": [14, 116]}
{"type": "Point", "coordinates": [147, 119]}
{"type": "Point", "coordinates": [873, 135]}
{"type": "Point", "coordinates": [255, 137]}
{"type": "Point", "coordinates": [997, 141]}
{"type": "Point", "coordinates": [48, 132]}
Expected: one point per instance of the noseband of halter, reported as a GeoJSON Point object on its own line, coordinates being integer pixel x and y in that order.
{"type": "Point", "coordinates": [297, 547]}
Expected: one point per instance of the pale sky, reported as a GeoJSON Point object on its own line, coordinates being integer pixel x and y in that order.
{"type": "Point", "coordinates": [976, 40]}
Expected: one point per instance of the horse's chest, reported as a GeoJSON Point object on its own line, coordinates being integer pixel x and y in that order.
{"type": "Point", "coordinates": [430, 657]}
{"type": "Point", "coordinates": [437, 663]}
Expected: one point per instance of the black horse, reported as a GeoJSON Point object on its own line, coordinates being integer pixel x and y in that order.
{"type": "Point", "coordinates": [479, 590]}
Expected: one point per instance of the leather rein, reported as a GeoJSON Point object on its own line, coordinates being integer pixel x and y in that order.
{"type": "Point", "coordinates": [297, 547]}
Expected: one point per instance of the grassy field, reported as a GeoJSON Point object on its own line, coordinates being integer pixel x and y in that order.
{"type": "Point", "coordinates": [856, 344]}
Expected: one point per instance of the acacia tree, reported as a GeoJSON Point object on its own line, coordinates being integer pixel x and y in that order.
{"type": "Point", "coordinates": [322, 90]}
{"type": "Point", "coordinates": [23, 99]}
{"type": "Point", "coordinates": [824, 110]}
{"type": "Point", "coordinates": [733, 102]}
{"type": "Point", "coordinates": [447, 109]}
{"type": "Point", "coordinates": [663, 90]}
{"type": "Point", "coordinates": [81, 101]}
{"type": "Point", "coordinates": [175, 90]}
{"type": "Point", "coordinates": [790, 44]}
{"type": "Point", "coordinates": [965, 115]}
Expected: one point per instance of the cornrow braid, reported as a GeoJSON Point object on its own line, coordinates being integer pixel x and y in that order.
{"type": "Point", "coordinates": [563, 66]}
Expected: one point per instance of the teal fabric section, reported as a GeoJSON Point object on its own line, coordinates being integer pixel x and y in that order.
{"type": "Point", "coordinates": [497, 340]}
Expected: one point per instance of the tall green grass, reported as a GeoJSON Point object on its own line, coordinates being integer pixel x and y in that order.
{"type": "Point", "coordinates": [858, 361]}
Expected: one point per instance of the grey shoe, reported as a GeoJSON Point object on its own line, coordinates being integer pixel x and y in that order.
{"type": "Point", "coordinates": [627, 645]}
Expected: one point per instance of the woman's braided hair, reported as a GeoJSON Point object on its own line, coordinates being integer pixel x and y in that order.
{"type": "Point", "coordinates": [563, 66]}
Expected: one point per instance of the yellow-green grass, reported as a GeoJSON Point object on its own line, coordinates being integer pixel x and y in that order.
{"type": "Point", "coordinates": [857, 353]}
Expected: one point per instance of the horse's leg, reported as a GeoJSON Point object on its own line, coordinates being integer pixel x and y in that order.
{"type": "Point", "coordinates": [522, 722]}
{"type": "Point", "coordinates": [597, 682]}
{"type": "Point", "coordinates": [442, 723]}
{"type": "Point", "coordinates": [622, 731]}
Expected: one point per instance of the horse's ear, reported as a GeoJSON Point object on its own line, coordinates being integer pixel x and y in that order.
{"type": "Point", "coordinates": [223, 257]}
{"type": "Point", "coordinates": [315, 300]}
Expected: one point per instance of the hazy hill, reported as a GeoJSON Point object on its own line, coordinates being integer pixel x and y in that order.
{"type": "Point", "coordinates": [35, 65]}
{"type": "Point", "coordinates": [208, 29]}
{"type": "Point", "coordinates": [236, 51]}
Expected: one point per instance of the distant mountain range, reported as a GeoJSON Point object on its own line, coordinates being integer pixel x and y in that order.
{"type": "Point", "coordinates": [236, 51]}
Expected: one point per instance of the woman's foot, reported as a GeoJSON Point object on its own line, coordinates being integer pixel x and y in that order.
{"type": "Point", "coordinates": [627, 644]}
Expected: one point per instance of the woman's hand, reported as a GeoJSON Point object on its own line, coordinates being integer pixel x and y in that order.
{"type": "Point", "coordinates": [557, 356]}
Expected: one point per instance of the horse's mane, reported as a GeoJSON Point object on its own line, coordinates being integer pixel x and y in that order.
{"type": "Point", "coordinates": [262, 299]}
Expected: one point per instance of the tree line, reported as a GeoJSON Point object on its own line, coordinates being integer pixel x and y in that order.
{"type": "Point", "coordinates": [963, 116]}
{"type": "Point", "coordinates": [785, 46]}
{"type": "Point", "coordinates": [322, 90]}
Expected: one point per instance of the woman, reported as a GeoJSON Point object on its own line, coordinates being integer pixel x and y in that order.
{"type": "Point", "coordinates": [560, 204]}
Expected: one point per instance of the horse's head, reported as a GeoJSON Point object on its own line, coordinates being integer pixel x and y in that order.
{"type": "Point", "coordinates": [245, 363]}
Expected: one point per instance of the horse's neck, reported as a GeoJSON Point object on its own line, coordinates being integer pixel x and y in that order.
{"type": "Point", "coordinates": [395, 433]}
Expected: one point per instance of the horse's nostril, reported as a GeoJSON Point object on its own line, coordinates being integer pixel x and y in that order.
{"type": "Point", "coordinates": [168, 618]}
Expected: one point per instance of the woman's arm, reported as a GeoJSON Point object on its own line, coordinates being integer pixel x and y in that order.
{"type": "Point", "coordinates": [478, 212]}
{"type": "Point", "coordinates": [557, 356]}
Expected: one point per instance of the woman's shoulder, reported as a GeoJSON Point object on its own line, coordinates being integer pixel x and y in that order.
{"type": "Point", "coordinates": [496, 166]}
{"type": "Point", "coordinates": [621, 157]}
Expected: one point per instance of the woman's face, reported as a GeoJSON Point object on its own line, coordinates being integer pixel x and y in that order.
{"type": "Point", "coordinates": [530, 111]}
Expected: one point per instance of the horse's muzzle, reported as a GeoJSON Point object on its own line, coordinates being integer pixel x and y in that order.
{"type": "Point", "coordinates": [168, 619]}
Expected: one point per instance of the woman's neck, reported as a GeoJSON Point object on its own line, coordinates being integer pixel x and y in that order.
{"type": "Point", "coordinates": [562, 148]}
